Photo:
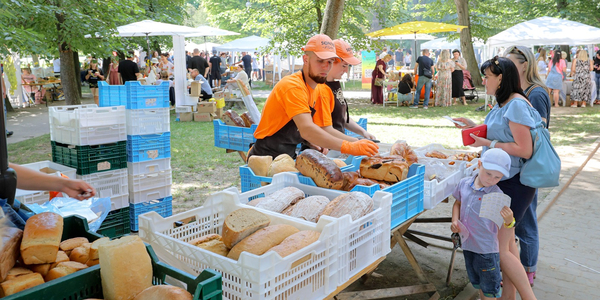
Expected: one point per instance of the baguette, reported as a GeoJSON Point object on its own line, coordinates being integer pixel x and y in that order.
{"type": "Point", "coordinates": [20, 283]}
{"type": "Point", "coordinates": [322, 170]}
{"type": "Point", "coordinates": [41, 238]}
{"type": "Point", "coordinates": [164, 292]}
{"type": "Point", "coordinates": [10, 239]}
{"type": "Point", "coordinates": [355, 204]}
{"type": "Point", "coordinates": [212, 243]}
{"type": "Point", "coordinates": [262, 240]}
{"type": "Point", "coordinates": [308, 208]}
{"type": "Point", "coordinates": [281, 199]}
{"type": "Point", "coordinates": [241, 223]}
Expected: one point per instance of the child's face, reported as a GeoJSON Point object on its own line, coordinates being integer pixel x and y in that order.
{"type": "Point", "coordinates": [489, 177]}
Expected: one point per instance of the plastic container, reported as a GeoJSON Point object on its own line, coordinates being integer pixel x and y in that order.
{"type": "Point", "coordinates": [436, 191]}
{"type": "Point", "coordinates": [251, 181]}
{"type": "Point", "coordinates": [146, 187]}
{"type": "Point", "coordinates": [84, 136]}
{"type": "Point", "coordinates": [250, 277]}
{"type": "Point", "coordinates": [48, 167]}
{"type": "Point", "coordinates": [30, 197]}
{"type": "Point", "coordinates": [183, 109]}
{"type": "Point", "coordinates": [111, 184]}
{"type": "Point", "coordinates": [148, 147]}
{"type": "Point", "coordinates": [147, 96]}
{"type": "Point", "coordinates": [91, 159]}
{"type": "Point", "coordinates": [150, 166]}
{"type": "Point", "coordinates": [233, 137]}
{"type": "Point", "coordinates": [87, 283]}
{"type": "Point", "coordinates": [86, 115]}
{"type": "Point", "coordinates": [407, 195]}
{"type": "Point", "coordinates": [116, 223]}
{"type": "Point", "coordinates": [111, 95]}
{"type": "Point", "coordinates": [163, 207]}
{"type": "Point", "coordinates": [360, 242]}
{"type": "Point", "coordinates": [148, 121]}
{"type": "Point", "coordinates": [362, 122]}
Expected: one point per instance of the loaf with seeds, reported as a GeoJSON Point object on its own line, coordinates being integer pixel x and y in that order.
{"type": "Point", "coordinates": [323, 171]}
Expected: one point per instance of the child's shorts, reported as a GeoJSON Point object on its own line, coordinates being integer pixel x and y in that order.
{"type": "Point", "coordinates": [484, 272]}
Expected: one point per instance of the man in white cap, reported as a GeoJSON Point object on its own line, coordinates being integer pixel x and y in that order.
{"type": "Point", "coordinates": [299, 108]}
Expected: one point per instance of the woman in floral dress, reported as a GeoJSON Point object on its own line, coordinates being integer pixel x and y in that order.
{"type": "Point", "coordinates": [582, 83]}
{"type": "Point", "coordinates": [445, 67]}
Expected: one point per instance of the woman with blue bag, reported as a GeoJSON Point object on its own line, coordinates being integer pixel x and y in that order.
{"type": "Point", "coordinates": [510, 125]}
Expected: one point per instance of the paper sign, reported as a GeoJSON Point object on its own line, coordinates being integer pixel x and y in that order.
{"type": "Point", "coordinates": [464, 232]}
{"type": "Point", "coordinates": [491, 204]}
{"type": "Point", "coordinates": [152, 154]}
{"type": "Point", "coordinates": [105, 165]}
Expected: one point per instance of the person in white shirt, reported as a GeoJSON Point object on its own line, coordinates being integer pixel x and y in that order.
{"type": "Point", "coordinates": [240, 75]}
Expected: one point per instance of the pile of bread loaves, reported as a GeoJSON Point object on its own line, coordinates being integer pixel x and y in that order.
{"type": "Point", "coordinates": [468, 156]}
{"type": "Point", "coordinates": [231, 118]}
{"type": "Point", "coordinates": [266, 166]}
{"type": "Point", "coordinates": [36, 255]}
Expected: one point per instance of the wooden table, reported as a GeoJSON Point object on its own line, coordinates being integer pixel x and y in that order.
{"type": "Point", "coordinates": [424, 288]}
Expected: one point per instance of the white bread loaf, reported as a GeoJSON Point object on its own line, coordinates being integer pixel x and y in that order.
{"type": "Point", "coordinates": [164, 292]}
{"type": "Point", "coordinates": [308, 208]}
{"type": "Point", "coordinates": [296, 242]}
{"type": "Point", "coordinates": [262, 240]}
{"type": "Point", "coordinates": [20, 283]}
{"type": "Point", "coordinates": [355, 204]}
{"type": "Point", "coordinates": [125, 268]}
{"type": "Point", "coordinates": [282, 163]}
{"type": "Point", "coordinates": [256, 201]}
{"type": "Point", "coordinates": [81, 254]}
{"type": "Point", "coordinates": [212, 243]}
{"type": "Point", "coordinates": [64, 269]}
{"type": "Point", "coordinates": [16, 272]}
{"type": "Point", "coordinates": [323, 171]}
{"type": "Point", "coordinates": [41, 238]}
{"type": "Point", "coordinates": [260, 164]}
{"type": "Point", "coordinates": [281, 199]}
{"type": "Point", "coordinates": [94, 247]}
{"type": "Point", "coordinates": [10, 239]}
{"type": "Point", "coordinates": [241, 223]}
{"type": "Point", "coordinates": [70, 244]}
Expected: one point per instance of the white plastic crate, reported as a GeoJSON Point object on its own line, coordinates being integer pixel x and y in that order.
{"type": "Point", "coordinates": [150, 166]}
{"type": "Point", "coordinates": [148, 121]}
{"type": "Point", "coordinates": [361, 242]}
{"type": "Point", "coordinates": [250, 277]}
{"type": "Point", "coordinates": [31, 197]}
{"type": "Point", "coordinates": [37, 166]}
{"type": "Point", "coordinates": [183, 108]}
{"type": "Point", "coordinates": [85, 136]}
{"type": "Point", "coordinates": [118, 202]}
{"type": "Point", "coordinates": [436, 191]}
{"type": "Point", "coordinates": [151, 186]}
{"type": "Point", "coordinates": [112, 184]}
{"type": "Point", "coordinates": [86, 115]}
{"type": "Point", "coordinates": [150, 194]}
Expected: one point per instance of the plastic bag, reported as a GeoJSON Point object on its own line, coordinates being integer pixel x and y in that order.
{"type": "Point", "coordinates": [10, 217]}
{"type": "Point", "coordinates": [94, 210]}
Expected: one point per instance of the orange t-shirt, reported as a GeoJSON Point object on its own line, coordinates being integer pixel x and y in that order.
{"type": "Point", "coordinates": [290, 97]}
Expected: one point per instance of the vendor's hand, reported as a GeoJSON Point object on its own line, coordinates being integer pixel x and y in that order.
{"type": "Point", "coordinates": [468, 122]}
{"type": "Point", "coordinates": [369, 136]}
{"type": "Point", "coordinates": [318, 148]}
{"type": "Point", "coordinates": [360, 147]}
{"type": "Point", "coordinates": [479, 141]}
{"type": "Point", "coordinates": [454, 227]}
{"type": "Point", "coordinates": [77, 189]}
{"type": "Point", "coordinates": [507, 214]}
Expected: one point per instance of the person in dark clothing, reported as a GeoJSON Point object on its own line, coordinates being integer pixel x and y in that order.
{"type": "Point", "coordinates": [405, 86]}
{"type": "Point", "coordinates": [247, 60]}
{"type": "Point", "coordinates": [215, 69]}
{"type": "Point", "coordinates": [187, 59]}
{"type": "Point", "coordinates": [199, 63]}
{"type": "Point", "coordinates": [128, 69]}
{"type": "Point", "coordinates": [424, 67]}
{"type": "Point", "coordinates": [93, 75]}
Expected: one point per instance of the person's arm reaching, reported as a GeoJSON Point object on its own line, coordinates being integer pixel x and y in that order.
{"type": "Point", "coordinates": [28, 179]}
{"type": "Point", "coordinates": [334, 132]}
{"type": "Point", "coordinates": [354, 127]}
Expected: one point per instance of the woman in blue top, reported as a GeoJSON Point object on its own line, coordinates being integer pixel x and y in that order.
{"type": "Point", "coordinates": [536, 91]}
{"type": "Point", "coordinates": [508, 127]}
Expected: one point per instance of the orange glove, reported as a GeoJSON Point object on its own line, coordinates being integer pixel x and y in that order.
{"type": "Point", "coordinates": [360, 147]}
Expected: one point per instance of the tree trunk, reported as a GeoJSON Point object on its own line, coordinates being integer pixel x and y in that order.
{"type": "Point", "coordinates": [334, 10]}
{"type": "Point", "coordinates": [36, 60]}
{"type": "Point", "coordinates": [466, 42]}
{"type": "Point", "coordinates": [77, 66]}
{"type": "Point", "coordinates": [319, 14]}
{"type": "Point", "coordinates": [68, 78]}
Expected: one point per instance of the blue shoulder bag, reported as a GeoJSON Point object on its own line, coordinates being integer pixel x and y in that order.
{"type": "Point", "coordinates": [542, 169]}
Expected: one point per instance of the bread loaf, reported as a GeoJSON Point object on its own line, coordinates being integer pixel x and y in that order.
{"type": "Point", "coordinates": [20, 283]}
{"type": "Point", "coordinates": [296, 242]}
{"type": "Point", "coordinates": [255, 202]}
{"type": "Point", "coordinates": [340, 163]}
{"type": "Point", "coordinates": [387, 168]}
{"type": "Point", "coordinates": [436, 154]}
{"type": "Point", "coordinates": [360, 181]}
{"type": "Point", "coordinates": [92, 262]}
{"type": "Point", "coordinates": [10, 239]}
{"type": "Point", "coordinates": [248, 122]}
{"type": "Point", "coordinates": [308, 208]}
{"type": "Point", "coordinates": [70, 244]}
{"type": "Point", "coordinates": [212, 243]}
{"type": "Point", "coordinates": [401, 148]}
{"type": "Point", "coordinates": [355, 204]}
{"type": "Point", "coordinates": [41, 238]}
{"type": "Point", "coordinates": [94, 247]}
{"type": "Point", "coordinates": [164, 292]}
{"type": "Point", "coordinates": [241, 223]}
{"type": "Point", "coordinates": [282, 163]}
{"type": "Point", "coordinates": [231, 118]}
{"type": "Point", "coordinates": [81, 254]}
{"type": "Point", "coordinates": [349, 179]}
{"type": "Point", "coordinates": [262, 240]}
{"type": "Point", "coordinates": [260, 164]}
{"type": "Point", "coordinates": [64, 269]}
{"type": "Point", "coordinates": [281, 199]}
{"type": "Point", "coordinates": [43, 269]}
{"type": "Point", "coordinates": [60, 257]}
{"type": "Point", "coordinates": [16, 272]}
{"type": "Point", "coordinates": [125, 268]}
{"type": "Point", "coordinates": [323, 171]}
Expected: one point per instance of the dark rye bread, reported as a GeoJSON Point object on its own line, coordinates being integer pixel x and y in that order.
{"type": "Point", "coordinates": [323, 171]}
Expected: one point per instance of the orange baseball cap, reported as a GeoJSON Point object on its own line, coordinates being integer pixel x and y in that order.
{"type": "Point", "coordinates": [322, 46]}
{"type": "Point", "coordinates": [344, 51]}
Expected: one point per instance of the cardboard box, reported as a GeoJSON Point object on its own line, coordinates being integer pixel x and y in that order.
{"type": "Point", "coordinates": [196, 89]}
{"type": "Point", "coordinates": [219, 113]}
{"type": "Point", "coordinates": [207, 107]}
{"type": "Point", "coordinates": [204, 117]}
{"type": "Point", "coordinates": [219, 95]}
{"type": "Point", "coordinates": [186, 117]}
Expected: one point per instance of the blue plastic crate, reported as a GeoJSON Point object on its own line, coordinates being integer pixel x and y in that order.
{"type": "Point", "coordinates": [251, 181]}
{"type": "Point", "coordinates": [233, 137]}
{"type": "Point", "coordinates": [362, 122]}
{"type": "Point", "coordinates": [148, 147]}
{"type": "Point", "coordinates": [111, 95]}
{"type": "Point", "coordinates": [147, 96]}
{"type": "Point", "coordinates": [407, 199]}
{"type": "Point", "coordinates": [163, 207]}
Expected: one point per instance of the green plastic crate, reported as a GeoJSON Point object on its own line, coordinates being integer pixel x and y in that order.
{"type": "Point", "coordinates": [116, 224]}
{"type": "Point", "coordinates": [89, 159]}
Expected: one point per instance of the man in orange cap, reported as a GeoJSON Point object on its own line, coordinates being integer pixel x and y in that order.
{"type": "Point", "coordinates": [299, 108]}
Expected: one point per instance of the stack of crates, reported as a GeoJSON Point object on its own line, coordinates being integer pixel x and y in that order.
{"type": "Point", "coordinates": [148, 146]}
{"type": "Point", "coordinates": [92, 140]}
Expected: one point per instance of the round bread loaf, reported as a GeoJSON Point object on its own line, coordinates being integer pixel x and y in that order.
{"type": "Point", "coordinates": [162, 292]}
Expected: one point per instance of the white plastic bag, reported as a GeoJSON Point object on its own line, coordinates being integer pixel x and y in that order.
{"type": "Point", "coordinates": [94, 210]}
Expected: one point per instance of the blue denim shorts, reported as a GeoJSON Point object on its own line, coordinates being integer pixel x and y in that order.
{"type": "Point", "coordinates": [484, 272]}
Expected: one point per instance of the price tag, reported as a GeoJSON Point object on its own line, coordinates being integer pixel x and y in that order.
{"type": "Point", "coordinates": [151, 102]}
{"type": "Point", "coordinates": [152, 154]}
{"type": "Point", "coordinates": [105, 165]}
{"type": "Point", "coordinates": [151, 169]}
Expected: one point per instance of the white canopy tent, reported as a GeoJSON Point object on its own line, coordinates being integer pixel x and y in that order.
{"type": "Point", "coordinates": [204, 31]}
{"type": "Point", "coordinates": [190, 46]}
{"type": "Point", "coordinates": [247, 44]}
{"type": "Point", "coordinates": [443, 43]}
